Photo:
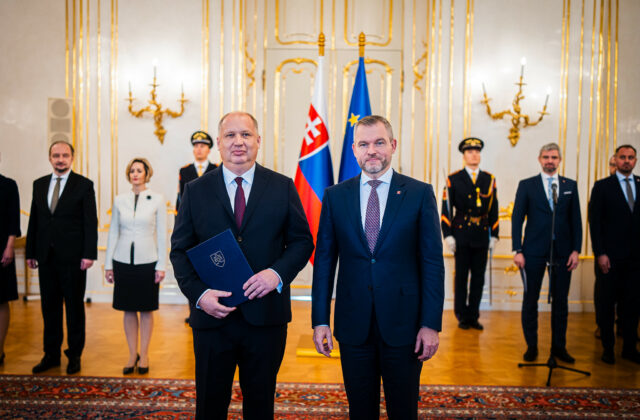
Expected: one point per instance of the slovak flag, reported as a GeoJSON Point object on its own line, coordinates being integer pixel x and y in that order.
{"type": "Point", "coordinates": [315, 171]}
{"type": "Point", "coordinates": [359, 108]}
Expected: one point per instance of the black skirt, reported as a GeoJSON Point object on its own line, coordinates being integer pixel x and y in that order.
{"type": "Point", "coordinates": [135, 289]}
{"type": "Point", "coordinates": [8, 283]}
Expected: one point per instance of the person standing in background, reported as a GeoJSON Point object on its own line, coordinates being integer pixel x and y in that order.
{"type": "Point", "coordinates": [62, 242]}
{"type": "Point", "coordinates": [136, 259]}
{"type": "Point", "coordinates": [471, 231]}
{"type": "Point", "coordinates": [9, 231]}
{"type": "Point", "coordinates": [202, 144]}
{"type": "Point", "coordinates": [536, 199]}
{"type": "Point", "coordinates": [614, 219]}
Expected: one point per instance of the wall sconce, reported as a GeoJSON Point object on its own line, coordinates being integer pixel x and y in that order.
{"type": "Point", "coordinates": [155, 108]}
{"type": "Point", "coordinates": [517, 118]}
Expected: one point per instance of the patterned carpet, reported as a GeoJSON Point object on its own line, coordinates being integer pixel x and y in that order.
{"type": "Point", "coordinates": [62, 397]}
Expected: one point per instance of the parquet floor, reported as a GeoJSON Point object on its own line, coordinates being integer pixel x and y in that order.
{"type": "Point", "coordinates": [466, 357]}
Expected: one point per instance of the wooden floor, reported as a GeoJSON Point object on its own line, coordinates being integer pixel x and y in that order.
{"type": "Point", "coordinates": [466, 357]}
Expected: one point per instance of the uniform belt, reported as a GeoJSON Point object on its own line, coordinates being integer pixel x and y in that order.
{"type": "Point", "coordinates": [476, 219]}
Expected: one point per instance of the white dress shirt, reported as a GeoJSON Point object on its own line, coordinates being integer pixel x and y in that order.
{"type": "Point", "coordinates": [383, 193]}
{"type": "Point", "coordinates": [52, 185]}
{"type": "Point", "coordinates": [545, 184]}
{"type": "Point", "coordinates": [232, 185]}
{"type": "Point", "coordinates": [623, 185]}
{"type": "Point", "coordinates": [471, 172]}
{"type": "Point", "coordinates": [204, 165]}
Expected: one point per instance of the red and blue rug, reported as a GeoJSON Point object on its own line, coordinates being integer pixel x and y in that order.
{"type": "Point", "coordinates": [62, 397]}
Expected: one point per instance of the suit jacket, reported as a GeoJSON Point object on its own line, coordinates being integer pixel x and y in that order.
{"type": "Point", "coordinates": [146, 228]}
{"type": "Point", "coordinates": [9, 210]}
{"type": "Point", "coordinates": [72, 229]}
{"type": "Point", "coordinates": [274, 234]}
{"type": "Point", "coordinates": [531, 202]}
{"type": "Point", "coordinates": [615, 230]}
{"type": "Point", "coordinates": [472, 223]}
{"type": "Point", "coordinates": [187, 174]}
{"type": "Point", "coordinates": [402, 280]}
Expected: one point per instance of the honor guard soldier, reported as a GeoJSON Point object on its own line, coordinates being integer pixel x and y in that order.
{"type": "Point", "coordinates": [470, 228]}
{"type": "Point", "coordinates": [202, 144]}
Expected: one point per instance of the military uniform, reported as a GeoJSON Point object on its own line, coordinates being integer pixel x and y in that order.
{"type": "Point", "coordinates": [475, 220]}
{"type": "Point", "coordinates": [189, 172]}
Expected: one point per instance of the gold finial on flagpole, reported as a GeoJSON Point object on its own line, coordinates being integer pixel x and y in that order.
{"type": "Point", "coordinates": [321, 40]}
{"type": "Point", "coordinates": [361, 41]}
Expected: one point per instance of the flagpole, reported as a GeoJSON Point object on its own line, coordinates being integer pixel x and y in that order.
{"type": "Point", "coordinates": [361, 42]}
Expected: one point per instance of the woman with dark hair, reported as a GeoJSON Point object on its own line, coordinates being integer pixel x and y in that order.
{"type": "Point", "coordinates": [9, 230]}
{"type": "Point", "coordinates": [136, 259]}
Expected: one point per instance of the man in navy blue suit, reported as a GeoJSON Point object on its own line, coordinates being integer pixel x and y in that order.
{"type": "Point", "coordinates": [536, 198]}
{"type": "Point", "coordinates": [383, 227]}
{"type": "Point", "coordinates": [614, 218]}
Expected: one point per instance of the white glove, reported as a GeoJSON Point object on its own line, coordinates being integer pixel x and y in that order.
{"type": "Point", "coordinates": [492, 242]}
{"type": "Point", "coordinates": [451, 243]}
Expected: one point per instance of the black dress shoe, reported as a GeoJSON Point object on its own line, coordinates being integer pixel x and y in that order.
{"type": "Point", "coordinates": [633, 356]}
{"type": "Point", "coordinates": [463, 325]}
{"type": "Point", "coordinates": [476, 325]}
{"type": "Point", "coordinates": [563, 355]}
{"type": "Point", "coordinates": [128, 370]}
{"type": "Point", "coordinates": [608, 357]}
{"type": "Point", "coordinates": [143, 370]}
{"type": "Point", "coordinates": [46, 363]}
{"type": "Point", "coordinates": [531, 354]}
{"type": "Point", "coordinates": [74, 365]}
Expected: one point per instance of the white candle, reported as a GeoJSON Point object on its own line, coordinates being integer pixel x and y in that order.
{"type": "Point", "coordinates": [129, 87]}
{"type": "Point", "coordinates": [484, 91]}
{"type": "Point", "coordinates": [154, 73]}
{"type": "Point", "coordinates": [523, 62]}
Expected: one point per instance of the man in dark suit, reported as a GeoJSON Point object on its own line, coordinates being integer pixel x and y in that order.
{"type": "Point", "coordinates": [62, 242]}
{"type": "Point", "coordinates": [383, 227]}
{"type": "Point", "coordinates": [263, 210]}
{"type": "Point", "coordinates": [202, 144]}
{"type": "Point", "coordinates": [614, 218]}
{"type": "Point", "coordinates": [471, 231]}
{"type": "Point", "coordinates": [536, 199]}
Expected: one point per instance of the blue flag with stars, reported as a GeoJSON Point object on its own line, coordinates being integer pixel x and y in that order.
{"type": "Point", "coordinates": [360, 107]}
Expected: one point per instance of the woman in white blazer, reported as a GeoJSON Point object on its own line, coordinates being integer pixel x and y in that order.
{"type": "Point", "coordinates": [136, 259]}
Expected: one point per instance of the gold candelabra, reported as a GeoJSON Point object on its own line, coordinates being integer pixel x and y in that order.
{"type": "Point", "coordinates": [517, 118]}
{"type": "Point", "coordinates": [155, 108]}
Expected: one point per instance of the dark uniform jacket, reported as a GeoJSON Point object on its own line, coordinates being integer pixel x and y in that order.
{"type": "Point", "coordinates": [187, 174]}
{"type": "Point", "coordinates": [474, 208]}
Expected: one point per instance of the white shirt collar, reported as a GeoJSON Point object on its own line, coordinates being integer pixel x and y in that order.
{"type": "Point", "coordinates": [545, 177]}
{"type": "Point", "coordinates": [230, 177]}
{"type": "Point", "coordinates": [63, 177]}
{"type": "Point", "coordinates": [471, 171]}
{"type": "Point", "coordinates": [384, 178]}
{"type": "Point", "coordinates": [621, 177]}
{"type": "Point", "coordinates": [204, 164]}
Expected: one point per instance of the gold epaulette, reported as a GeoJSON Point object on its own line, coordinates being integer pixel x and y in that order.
{"type": "Point", "coordinates": [188, 164]}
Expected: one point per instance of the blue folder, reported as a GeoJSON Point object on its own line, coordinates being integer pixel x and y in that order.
{"type": "Point", "coordinates": [220, 263]}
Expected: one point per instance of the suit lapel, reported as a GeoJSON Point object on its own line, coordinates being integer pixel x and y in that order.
{"type": "Point", "coordinates": [353, 208]}
{"type": "Point", "coordinates": [394, 200]}
{"type": "Point", "coordinates": [542, 194]}
{"type": "Point", "coordinates": [222, 194]}
{"type": "Point", "coordinates": [636, 206]}
{"type": "Point", "coordinates": [68, 189]}
{"type": "Point", "coordinates": [261, 179]}
{"type": "Point", "coordinates": [43, 191]}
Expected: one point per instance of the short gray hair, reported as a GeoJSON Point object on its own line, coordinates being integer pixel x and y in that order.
{"type": "Point", "coordinates": [255, 122]}
{"type": "Point", "coordinates": [370, 120]}
{"type": "Point", "coordinates": [549, 147]}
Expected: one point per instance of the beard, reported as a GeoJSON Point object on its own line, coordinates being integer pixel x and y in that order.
{"type": "Point", "coordinates": [374, 167]}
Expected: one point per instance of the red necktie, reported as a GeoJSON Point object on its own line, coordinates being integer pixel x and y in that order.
{"type": "Point", "coordinates": [239, 203]}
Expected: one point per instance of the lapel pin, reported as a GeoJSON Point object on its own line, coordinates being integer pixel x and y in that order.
{"type": "Point", "coordinates": [398, 192]}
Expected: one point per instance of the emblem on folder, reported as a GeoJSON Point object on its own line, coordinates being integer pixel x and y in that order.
{"type": "Point", "coordinates": [217, 258]}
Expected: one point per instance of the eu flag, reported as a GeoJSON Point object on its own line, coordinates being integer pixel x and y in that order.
{"type": "Point", "coordinates": [360, 107]}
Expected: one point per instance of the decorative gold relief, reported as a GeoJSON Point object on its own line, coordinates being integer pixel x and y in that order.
{"type": "Point", "coordinates": [311, 36]}
{"type": "Point", "coordinates": [280, 78]}
{"type": "Point", "coordinates": [352, 39]}
{"type": "Point", "coordinates": [506, 212]}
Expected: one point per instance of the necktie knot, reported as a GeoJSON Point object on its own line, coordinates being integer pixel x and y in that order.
{"type": "Point", "coordinates": [239, 181]}
{"type": "Point", "coordinates": [374, 183]}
